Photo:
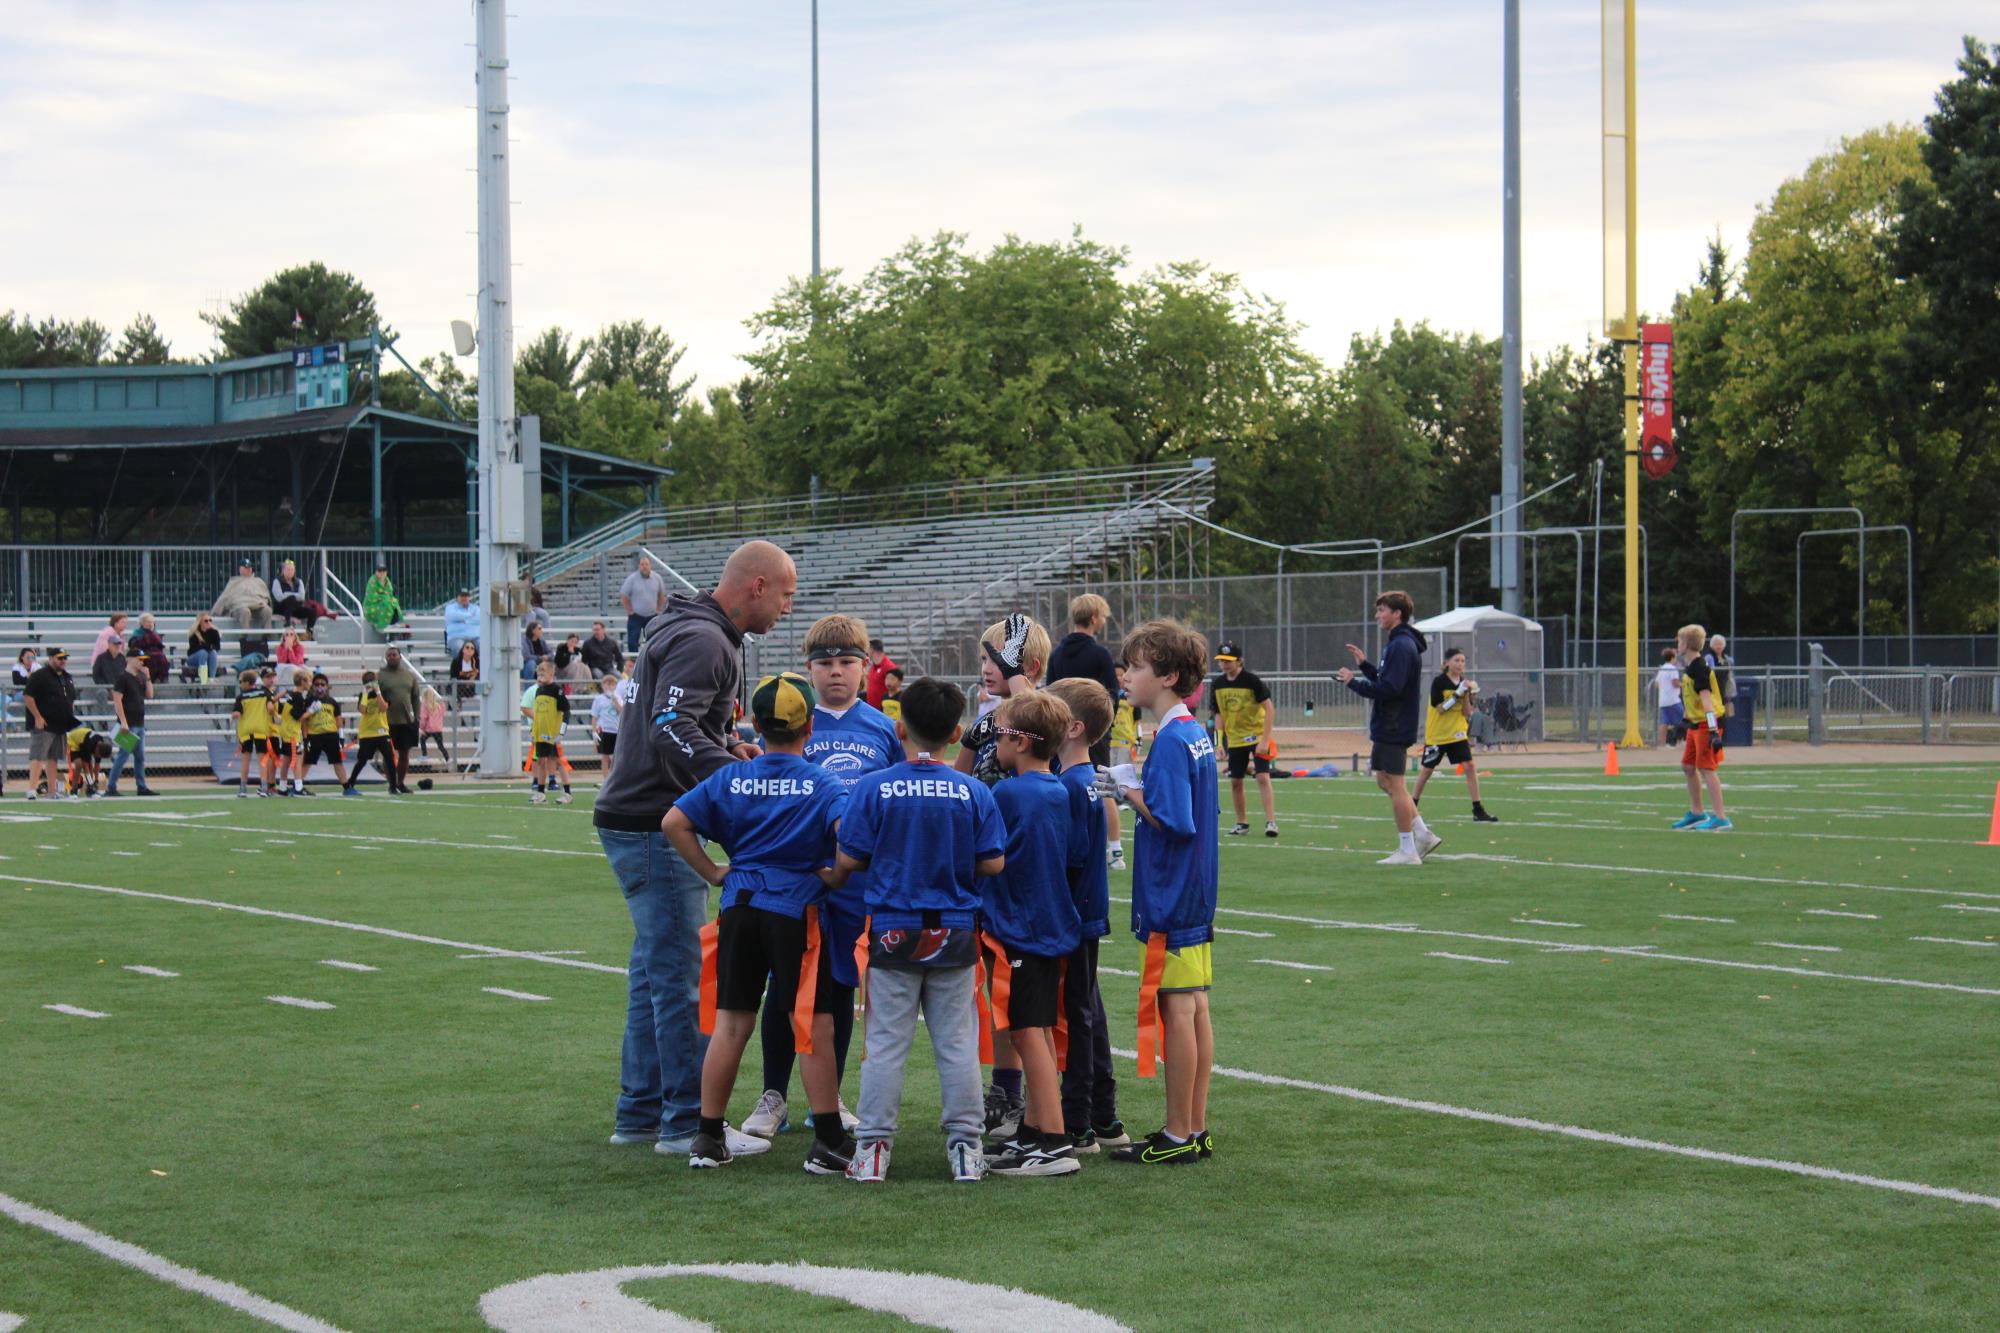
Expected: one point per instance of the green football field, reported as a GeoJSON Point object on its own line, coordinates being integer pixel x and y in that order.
{"type": "Point", "coordinates": [1578, 1070]}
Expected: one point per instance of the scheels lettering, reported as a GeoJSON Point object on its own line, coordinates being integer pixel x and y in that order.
{"type": "Point", "coordinates": [926, 787]}
{"type": "Point", "coordinates": [770, 786]}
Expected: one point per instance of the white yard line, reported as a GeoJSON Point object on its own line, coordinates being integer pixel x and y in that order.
{"type": "Point", "coordinates": [1601, 1136]}
{"type": "Point", "coordinates": [1469, 958]}
{"type": "Point", "coordinates": [1538, 921]}
{"type": "Point", "coordinates": [1946, 939]}
{"type": "Point", "coordinates": [304, 919]}
{"type": "Point", "coordinates": [512, 994]}
{"type": "Point", "coordinates": [1247, 934]}
{"type": "Point", "coordinates": [1280, 962]}
{"type": "Point", "coordinates": [1712, 920]}
{"type": "Point", "coordinates": [166, 1270]}
{"type": "Point", "coordinates": [1964, 907]}
{"type": "Point", "coordinates": [1681, 873]}
{"type": "Point", "coordinates": [288, 832]}
{"type": "Point", "coordinates": [73, 1011]}
{"type": "Point", "coordinates": [1115, 971]}
{"type": "Point", "coordinates": [297, 1003]}
{"type": "Point", "coordinates": [145, 971]}
{"type": "Point", "coordinates": [1811, 948]}
{"type": "Point", "coordinates": [346, 966]}
{"type": "Point", "coordinates": [1854, 916]}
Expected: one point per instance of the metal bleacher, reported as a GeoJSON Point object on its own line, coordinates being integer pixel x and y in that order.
{"type": "Point", "coordinates": [922, 567]}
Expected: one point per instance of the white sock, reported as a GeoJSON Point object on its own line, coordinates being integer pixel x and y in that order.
{"type": "Point", "coordinates": [1406, 842]}
{"type": "Point", "coordinates": [1418, 826]}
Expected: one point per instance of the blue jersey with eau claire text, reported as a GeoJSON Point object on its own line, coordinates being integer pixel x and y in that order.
{"type": "Point", "coordinates": [1089, 883]}
{"type": "Point", "coordinates": [923, 827]}
{"type": "Point", "coordinates": [1177, 865]}
{"type": "Point", "coordinates": [850, 746]}
{"type": "Point", "coordinates": [776, 815]}
{"type": "Point", "coordinates": [1029, 906]}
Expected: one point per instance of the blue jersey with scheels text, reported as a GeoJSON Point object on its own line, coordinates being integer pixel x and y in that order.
{"type": "Point", "coordinates": [1177, 864]}
{"type": "Point", "coordinates": [922, 826]}
{"type": "Point", "coordinates": [776, 815]}
{"type": "Point", "coordinates": [1028, 906]}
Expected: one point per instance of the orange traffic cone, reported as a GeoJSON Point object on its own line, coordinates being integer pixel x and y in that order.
{"type": "Point", "coordinates": [1610, 759]}
{"type": "Point", "coordinates": [1993, 835]}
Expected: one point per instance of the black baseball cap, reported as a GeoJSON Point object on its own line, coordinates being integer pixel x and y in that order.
{"type": "Point", "coordinates": [1227, 651]}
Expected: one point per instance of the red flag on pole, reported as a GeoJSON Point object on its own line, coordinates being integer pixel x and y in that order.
{"type": "Point", "coordinates": [1656, 399]}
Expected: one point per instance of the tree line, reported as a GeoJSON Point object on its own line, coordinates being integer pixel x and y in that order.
{"type": "Point", "coordinates": [1849, 356]}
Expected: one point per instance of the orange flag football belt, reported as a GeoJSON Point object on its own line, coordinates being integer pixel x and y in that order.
{"type": "Point", "coordinates": [1149, 1003]}
{"type": "Point", "coordinates": [802, 1005]}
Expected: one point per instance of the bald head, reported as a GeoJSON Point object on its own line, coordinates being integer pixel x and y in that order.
{"type": "Point", "coordinates": [757, 586]}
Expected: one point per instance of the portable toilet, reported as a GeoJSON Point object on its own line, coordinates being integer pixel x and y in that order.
{"type": "Point", "coordinates": [1503, 653]}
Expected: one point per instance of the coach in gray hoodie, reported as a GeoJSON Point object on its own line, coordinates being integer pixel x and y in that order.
{"type": "Point", "coordinates": [688, 676]}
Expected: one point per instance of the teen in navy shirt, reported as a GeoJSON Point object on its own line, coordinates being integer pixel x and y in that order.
{"type": "Point", "coordinates": [923, 832]}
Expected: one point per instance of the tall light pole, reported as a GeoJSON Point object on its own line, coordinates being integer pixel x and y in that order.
{"type": "Point", "coordinates": [1510, 319]}
{"type": "Point", "coordinates": [815, 127]}
{"type": "Point", "coordinates": [1621, 294]}
{"type": "Point", "coordinates": [500, 481]}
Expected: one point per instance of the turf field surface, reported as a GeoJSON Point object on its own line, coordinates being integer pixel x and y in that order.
{"type": "Point", "coordinates": [1577, 1070]}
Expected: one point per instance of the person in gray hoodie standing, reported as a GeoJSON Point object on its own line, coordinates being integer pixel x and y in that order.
{"type": "Point", "coordinates": [1396, 687]}
{"type": "Point", "coordinates": [688, 676]}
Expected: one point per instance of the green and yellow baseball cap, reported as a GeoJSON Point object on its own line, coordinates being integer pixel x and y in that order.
{"type": "Point", "coordinates": [785, 701]}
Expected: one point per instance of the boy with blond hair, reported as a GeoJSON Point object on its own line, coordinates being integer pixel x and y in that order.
{"type": "Point", "coordinates": [1031, 925]}
{"type": "Point", "coordinates": [548, 714]}
{"type": "Point", "coordinates": [1701, 700]}
{"type": "Point", "coordinates": [1089, 1093]}
{"type": "Point", "coordinates": [1176, 867]}
{"type": "Point", "coordinates": [252, 715]}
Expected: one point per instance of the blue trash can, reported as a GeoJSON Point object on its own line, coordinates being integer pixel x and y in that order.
{"type": "Point", "coordinates": [1740, 727]}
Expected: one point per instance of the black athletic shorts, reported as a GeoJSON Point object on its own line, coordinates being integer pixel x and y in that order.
{"type": "Point", "coordinates": [403, 735]}
{"type": "Point", "coordinates": [753, 945]}
{"type": "Point", "coordinates": [256, 745]}
{"type": "Point", "coordinates": [1026, 987]}
{"type": "Point", "coordinates": [1100, 753]}
{"type": "Point", "coordinates": [282, 749]}
{"type": "Point", "coordinates": [1451, 752]}
{"type": "Point", "coordinates": [607, 741]}
{"type": "Point", "coordinates": [325, 746]}
{"type": "Point", "coordinates": [545, 749]}
{"type": "Point", "coordinates": [1242, 758]}
{"type": "Point", "coordinates": [1391, 759]}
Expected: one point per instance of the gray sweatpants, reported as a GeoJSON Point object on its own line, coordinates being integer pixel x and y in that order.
{"type": "Point", "coordinates": [950, 1010]}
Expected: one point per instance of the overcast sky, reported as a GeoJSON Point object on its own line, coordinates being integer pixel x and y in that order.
{"type": "Point", "coordinates": [1344, 157]}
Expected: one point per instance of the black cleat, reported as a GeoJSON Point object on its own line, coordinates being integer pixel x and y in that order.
{"type": "Point", "coordinates": [1206, 1142]}
{"type": "Point", "coordinates": [1481, 817]}
{"type": "Point", "coordinates": [1156, 1150]}
{"type": "Point", "coordinates": [710, 1150]}
{"type": "Point", "coordinates": [1239, 830]}
{"type": "Point", "coordinates": [827, 1160]}
{"type": "Point", "coordinates": [1016, 1158]}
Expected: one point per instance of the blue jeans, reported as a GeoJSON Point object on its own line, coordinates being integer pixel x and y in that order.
{"type": "Point", "coordinates": [634, 627]}
{"type": "Point", "coordinates": [660, 1068]}
{"type": "Point", "coordinates": [136, 756]}
{"type": "Point", "coordinates": [201, 657]}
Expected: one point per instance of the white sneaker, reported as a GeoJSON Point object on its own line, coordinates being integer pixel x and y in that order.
{"type": "Point", "coordinates": [1117, 858]}
{"type": "Point", "coordinates": [769, 1119]}
{"type": "Point", "coordinates": [968, 1163]}
{"type": "Point", "coordinates": [741, 1144]}
{"type": "Point", "coordinates": [620, 1139]}
{"type": "Point", "coordinates": [1399, 857]}
{"type": "Point", "coordinates": [537, 798]}
{"type": "Point", "coordinates": [675, 1147]}
{"type": "Point", "coordinates": [1427, 842]}
{"type": "Point", "coordinates": [563, 797]}
{"type": "Point", "coordinates": [870, 1163]}
{"type": "Point", "coordinates": [848, 1120]}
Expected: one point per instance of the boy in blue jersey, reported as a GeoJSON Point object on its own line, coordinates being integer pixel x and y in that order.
{"type": "Point", "coordinates": [777, 815]}
{"type": "Point", "coordinates": [1030, 923]}
{"type": "Point", "coordinates": [923, 833]}
{"type": "Point", "coordinates": [849, 740]}
{"type": "Point", "coordinates": [1175, 870]}
{"type": "Point", "coordinates": [1089, 1093]}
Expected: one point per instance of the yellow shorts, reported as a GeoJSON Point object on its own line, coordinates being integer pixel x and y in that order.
{"type": "Point", "coordinates": [1189, 968]}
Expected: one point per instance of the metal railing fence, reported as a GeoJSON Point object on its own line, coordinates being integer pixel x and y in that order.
{"type": "Point", "coordinates": [179, 580]}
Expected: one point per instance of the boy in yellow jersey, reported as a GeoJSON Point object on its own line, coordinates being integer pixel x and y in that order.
{"type": "Point", "coordinates": [1701, 699]}
{"type": "Point", "coordinates": [546, 720]}
{"type": "Point", "coordinates": [1445, 727]}
{"type": "Point", "coordinates": [253, 734]}
{"type": "Point", "coordinates": [1241, 705]}
{"type": "Point", "coordinates": [322, 731]}
{"type": "Point", "coordinates": [892, 690]}
{"type": "Point", "coordinates": [1125, 732]}
{"type": "Point", "coordinates": [290, 732]}
{"type": "Point", "coordinates": [371, 734]}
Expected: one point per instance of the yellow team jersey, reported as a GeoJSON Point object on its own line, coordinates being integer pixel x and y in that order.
{"type": "Point", "coordinates": [1697, 676]}
{"type": "Point", "coordinates": [1445, 721]}
{"type": "Point", "coordinates": [289, 728]}
{"type": "Point", "coordinates": [253, 707]}
{"type": "Point", "coordinates": [1125, 724]}
{"type": "Point", "coordinates": [374, 717]}
{"type": "Point", "coordinates": [551, 712]}
{"type": "Point", "coordinates": [325, 719]}
{"type": "Point", "coordinates": [1239, 704]}
{"type": "Point", "coordinates": [892, 708]}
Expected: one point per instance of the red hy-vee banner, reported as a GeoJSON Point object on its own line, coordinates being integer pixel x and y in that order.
{"type": "Point", "coordinates": [1656, 399]}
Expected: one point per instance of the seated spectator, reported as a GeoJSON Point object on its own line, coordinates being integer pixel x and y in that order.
{"type": "Point", "coordinates": [536, 615]}
{"type": "Point", "coordinates": [601, 652]}
{"type": "Point", "coordinates": [109, 665]}
{"type": "Point", "coordinates": [149, 646]}
{"type": "Point", "coordinates": [204, 650]}
{"type": "Point", "coordinates": [533, 649]}
{"type": "Point", "coordinates": [465, 667]}
{"type": "Point", "coordinates": [288, 599]}
{"type": "Point", "coordinates": [114, 630]}
{"type": "Point", "coordinates": [24, 667]}
{"type": "Point", "coordinates": [461, 620]}
{"type": "Point", "coordinates": [379, 605]}
{"type": "Point", "coordinates": [570, 664]}
{"type": "Point", "coordinates": [291, 651]}
{"type": "Point", "coordinates": [246, 600]}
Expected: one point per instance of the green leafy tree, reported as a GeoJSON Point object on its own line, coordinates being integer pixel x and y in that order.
{"type": "Point", "coordinates": [629, 350]}
{"type": "Point", "coordinates": [142, 345]}
{"type": "Point", "coordinates": [711, 451]}
{"type": "Point", "coordinates": [333, 305]}
{"type": "Point", "coordinates": [26, 344]}
{"type": "Point", "coordinates": [619, 419]}
{"type": "Point", "coordinates": [552, 356]}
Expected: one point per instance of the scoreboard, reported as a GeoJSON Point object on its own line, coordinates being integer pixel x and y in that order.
{"type": "Point", "coordinates": [319, 376]}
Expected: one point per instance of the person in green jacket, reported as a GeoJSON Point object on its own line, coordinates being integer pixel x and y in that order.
{"type": "Point", "coordinates": [378, 600]}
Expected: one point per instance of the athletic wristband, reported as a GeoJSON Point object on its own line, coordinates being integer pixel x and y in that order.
{"type": "Point", "coordinates": [1711, 721]}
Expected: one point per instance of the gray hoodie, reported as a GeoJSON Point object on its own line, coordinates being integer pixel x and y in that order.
{"type": "Point", "coordinates": [687, 677]}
